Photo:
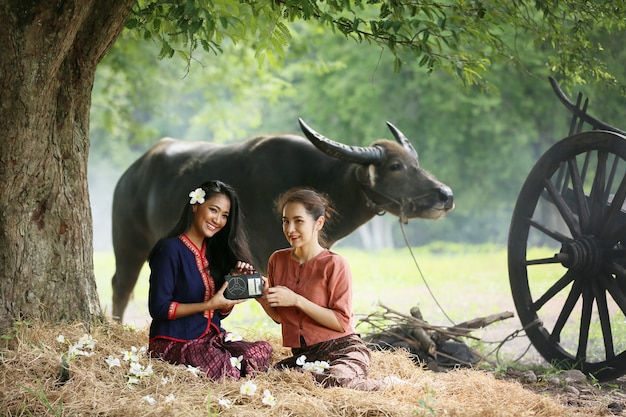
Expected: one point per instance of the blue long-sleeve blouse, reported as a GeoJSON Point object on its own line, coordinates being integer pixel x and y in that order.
{"type": "Point", "coordinates": [179, 274]}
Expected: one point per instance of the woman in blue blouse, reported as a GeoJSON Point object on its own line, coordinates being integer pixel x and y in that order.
{"type": "Point", "coordinates": [186, 298]}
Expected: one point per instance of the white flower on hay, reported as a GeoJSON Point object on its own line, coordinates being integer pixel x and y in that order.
{"type": "Point", "coordinates": [78, 348]}
{"type": "Point", "coordinates": [236, 361]}
{"type": "Point", "coordinates": [139, 370]}
{"type": "Point", "coordinates": [86, 341]}
{"type": "Point", "coordinates": [301, 360]}
{"type": "Point", "coordinates": [112, 361]}
{"type": "Point", "coordinates": [136, 369]}
{"type": "Point", "coordinates": [146, 371]}
{"type": "Point", "coordinates": [248, 388]}
{"type": "Point", "coordinates": [224, 402]}
{"type": "Point", "coordinates": [74, 351]}
{"type": "Point", "coordinates": [169, 398]}
{"type": "Point", "coordinates": [197, 196]}
{"type": "Point", "coordinates": [83, 353]}
{"type": "Point", "coordinates": [268, 398]}
{"type": "Point", "coordinates": [131, 355]}
{"type": "Point", "coordinates": [132, 380]}
{"type": "Point", "coordinates": [232, 337]}
{"type": "Point", "coordinates": [318, 366]}
{"type": "Point", "coordinates": [194, 370]}
{"type": "Point", "coordinates": [164, 380]}
{"type": "Point", "coordinates": [149, 400]}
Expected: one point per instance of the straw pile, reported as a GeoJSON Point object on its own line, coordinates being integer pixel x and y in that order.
{"type": "Point", "coordinates": [31, 375]}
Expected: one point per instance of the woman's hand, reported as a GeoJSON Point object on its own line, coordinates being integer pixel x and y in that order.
{"type": "Point", "coordinates": [242, 267]}
{"type": "Point", "coordinates": [266, 285]}
{"type": "Point", "coordinates": [281, 296]}
{"type": "Point", "coordinates": [220, 302]}
{"type": "Point", "coordinates": [272, 312]}
{"type": "Point", "coordinates": [217, 302]}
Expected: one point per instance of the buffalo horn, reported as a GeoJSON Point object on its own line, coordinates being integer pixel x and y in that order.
{"type": "Point", "coordinates": [402, 140]}
{"type": "Point", "coordinates": [364, 155]}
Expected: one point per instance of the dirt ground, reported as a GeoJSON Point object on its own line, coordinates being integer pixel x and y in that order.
{"type": "Point", "coordinates": [573, 390]}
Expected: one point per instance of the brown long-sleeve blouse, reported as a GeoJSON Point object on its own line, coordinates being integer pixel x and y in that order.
{"type": "Point", "coordinates": [325, 280]}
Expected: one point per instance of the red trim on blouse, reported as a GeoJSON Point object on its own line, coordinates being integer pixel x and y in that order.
{"type": "Point", "coordinates": [203, 267]}
{"type": "Point", "coordinates": [208, 328]}
{"type": "Point", "coordinates": [171, 312]}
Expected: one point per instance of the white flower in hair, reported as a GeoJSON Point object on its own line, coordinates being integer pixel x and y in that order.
{"type": "Point", "coordinates": [197, 196]}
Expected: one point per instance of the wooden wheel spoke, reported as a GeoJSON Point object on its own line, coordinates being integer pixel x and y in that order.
{"type": "Point", "coordinates": [610, 239]}
{"type": "Point", "coordinates": [615, 208]}
{"type": "Point", "coordinates": [554, 290]}
{"type": "Point", "coordinates": [570, 302]}
{"type": "Point", "coordinates": [566, 213]}
{"type": "Point", "coordinates": [552, 233]}
{"type": "Point", "coordinates": [611, 178]}
{"type": "Point", "coordinates": [562, 179]}
{"type": "Point", "coordinates": [605, 320]}
{"type": "Point", "coordinates": [620, 275]}
{"type": "Point", "coordinates": [616, 291]}
{"type": "Point", "coordinates": [543, 261]}
{"type": "Point", "coordinates": [585, 323]}
{"type": "Point", "coordinates": [597, 192]}
{"type": "Point", "coordinates": [579, 193]}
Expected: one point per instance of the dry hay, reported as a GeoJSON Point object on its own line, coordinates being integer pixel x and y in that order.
{"type": "Point", "coordinates": [30, 370]}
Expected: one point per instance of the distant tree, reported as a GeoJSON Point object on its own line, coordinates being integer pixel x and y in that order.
{"type": "Point", "coordinates": [49, 52]}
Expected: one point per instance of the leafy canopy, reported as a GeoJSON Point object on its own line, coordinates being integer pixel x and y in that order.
{"type": "Point", "coordinates": [463, 37]}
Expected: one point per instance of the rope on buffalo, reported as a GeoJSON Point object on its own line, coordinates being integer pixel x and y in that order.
{"type": "Point", "coordinates": [408, 245]}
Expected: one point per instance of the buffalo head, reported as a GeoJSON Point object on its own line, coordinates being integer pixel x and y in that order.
{"type": "Point", "coordinates": [390, 176]}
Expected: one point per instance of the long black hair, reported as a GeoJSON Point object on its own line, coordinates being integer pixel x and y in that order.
{"type": "Point", "coordinates": [228, 245]}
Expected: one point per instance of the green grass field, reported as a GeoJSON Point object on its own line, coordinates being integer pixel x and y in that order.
{"type": "Point", "coordinates": [448, 282]}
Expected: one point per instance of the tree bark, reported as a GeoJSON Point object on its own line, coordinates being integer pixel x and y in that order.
{"type": "Point", "coordinates": [48, 57]}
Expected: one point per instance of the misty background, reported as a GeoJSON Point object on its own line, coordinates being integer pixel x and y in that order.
{"type": "Point", "coordinates": [481, 140]}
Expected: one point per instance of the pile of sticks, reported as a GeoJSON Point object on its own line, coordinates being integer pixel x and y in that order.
{"type": "Point", "coordinates": [434, 345]}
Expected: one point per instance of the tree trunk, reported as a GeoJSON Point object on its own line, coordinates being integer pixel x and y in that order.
{"type": "Point", "coordinates": [48, 57]}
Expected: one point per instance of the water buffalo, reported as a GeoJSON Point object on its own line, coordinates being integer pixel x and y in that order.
{"type": "Point", "coordinates": [361, 182]}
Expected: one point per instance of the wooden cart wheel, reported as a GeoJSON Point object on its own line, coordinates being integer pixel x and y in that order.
{"type": "Point", "coordinates": [567, 254]}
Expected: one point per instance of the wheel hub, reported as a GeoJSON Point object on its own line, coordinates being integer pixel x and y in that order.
{"type": "Point", "coordinates": [583, 254]}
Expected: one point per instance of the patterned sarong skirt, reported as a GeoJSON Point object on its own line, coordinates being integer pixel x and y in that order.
{"type": "Point", "coordinates": [349, 361]}
{"type": "Point", "coordinates": [213, 354]}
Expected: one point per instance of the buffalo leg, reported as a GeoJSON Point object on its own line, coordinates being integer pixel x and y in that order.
{"type": "Point", "coordinates": [126, 273]}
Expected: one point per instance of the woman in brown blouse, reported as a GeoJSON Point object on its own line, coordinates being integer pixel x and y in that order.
{"type": "Point", "coordinates": [310, 294]}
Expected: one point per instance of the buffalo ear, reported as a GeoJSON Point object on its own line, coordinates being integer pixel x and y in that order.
{"type": "Point", "coordinates": [366, 175]}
